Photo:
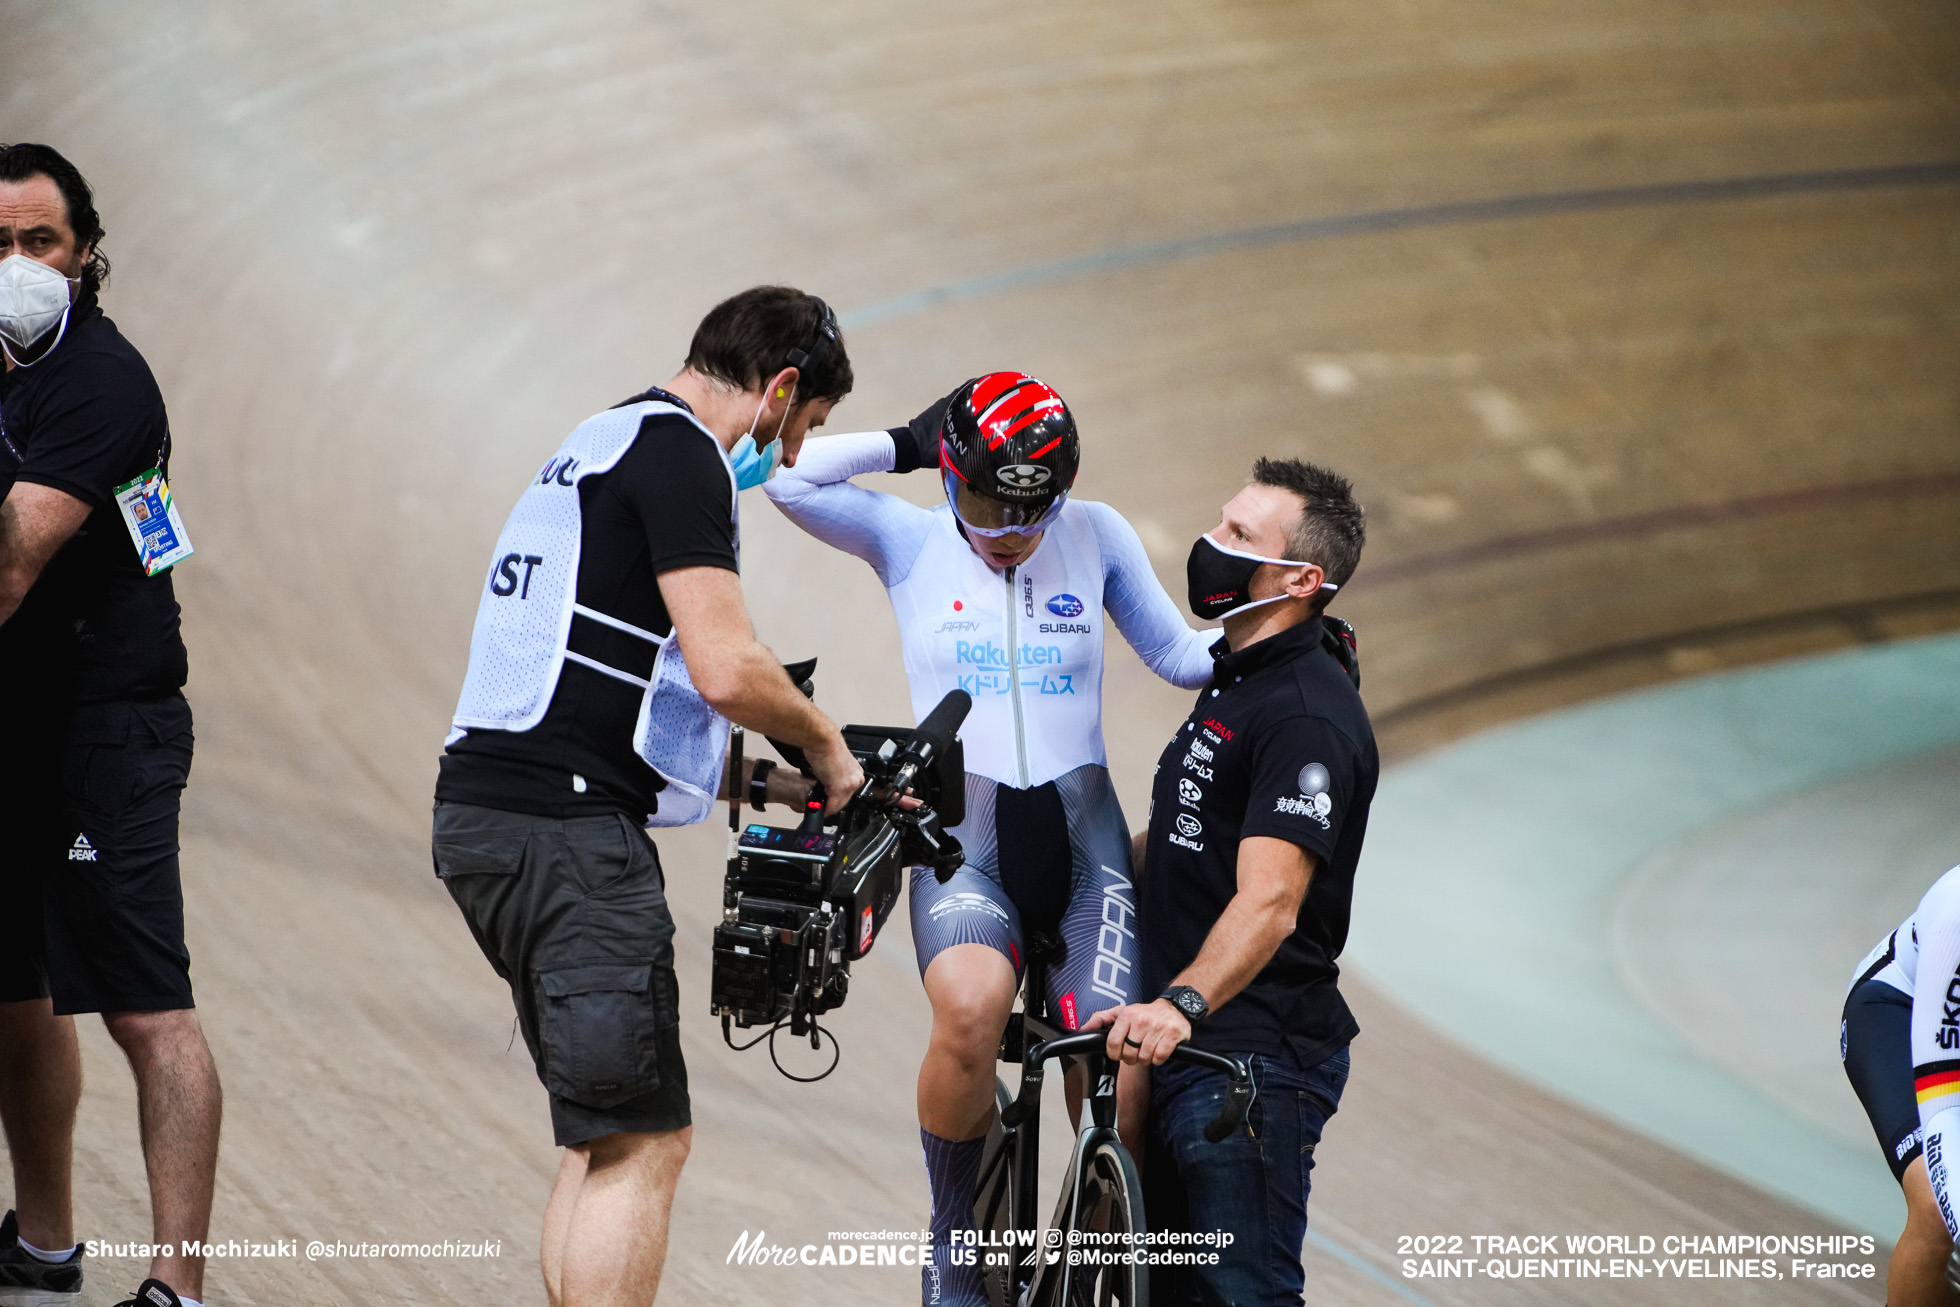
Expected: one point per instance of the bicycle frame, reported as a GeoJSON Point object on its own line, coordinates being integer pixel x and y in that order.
{"type": "Point", "coordinates": [1043, 1275]}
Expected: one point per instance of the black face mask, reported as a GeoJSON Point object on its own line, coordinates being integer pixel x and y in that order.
{"type": "Point", "coordinates": [1220, 579]}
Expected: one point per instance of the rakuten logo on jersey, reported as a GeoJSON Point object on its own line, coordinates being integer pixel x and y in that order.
{"type": "Point", "coordinates": [985, 653]}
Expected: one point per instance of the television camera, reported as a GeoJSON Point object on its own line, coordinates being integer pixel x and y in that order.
{"type": "Point", "coordinates": [801, 903]}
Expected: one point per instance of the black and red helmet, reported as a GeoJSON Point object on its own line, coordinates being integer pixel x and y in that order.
{"type": "Point", "coordinates": [1008, 454]}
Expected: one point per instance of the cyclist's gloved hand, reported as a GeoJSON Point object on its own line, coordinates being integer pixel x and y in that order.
{"type": "Point", "coordinates": [1337, 637]}
{"type": "Point", "coordinates": [918, 440]}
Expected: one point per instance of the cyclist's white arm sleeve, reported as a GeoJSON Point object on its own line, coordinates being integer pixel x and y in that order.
{"type": "Point", "coordinates": [1145, 615]}
{"type": "Point", "coordinates": [817, 494]}
{"type": "Point", "coordinates": [1936, 1041]}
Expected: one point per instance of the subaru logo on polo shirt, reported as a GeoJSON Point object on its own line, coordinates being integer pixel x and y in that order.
{"type": "Point", "coordinates": [1314, 779]}
{"type": "Point", "coordinates": [1065, 606]}
{"type": "Point", "coordinates": [1023, 476]}
{"type": "Point", "coordinates": [1188, 826]}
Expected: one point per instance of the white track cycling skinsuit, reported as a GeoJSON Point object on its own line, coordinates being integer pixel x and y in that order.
{"type": "Point", "coordinates": [1027, 644]}
{"type": "Point", "coordinates": [1921, 959]}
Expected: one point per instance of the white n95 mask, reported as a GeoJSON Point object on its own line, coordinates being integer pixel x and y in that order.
{"type": "Point", "coordinates": [33, 298]}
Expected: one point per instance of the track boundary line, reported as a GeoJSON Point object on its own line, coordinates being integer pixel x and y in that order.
{"type": "Point", "coordinates": [1678, 517]}
{"type": "Point", "coordinates": [1856, 613]}
{"type": "Point", "coordinates": [1454, 213]}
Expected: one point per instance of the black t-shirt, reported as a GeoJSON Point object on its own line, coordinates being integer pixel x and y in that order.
{"type": "Point", "coordinates": [1277, 745]}
{"type": "Point", "coordinates": [84, 419]}
{"type": "Point", "coordinates": [666, 504]}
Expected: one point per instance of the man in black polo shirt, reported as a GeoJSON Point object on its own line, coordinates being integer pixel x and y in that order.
{"type": "Point", "coordinates": [97, 748]}
{"type": "Point", "coordinates": [1256, 819]}
{"type": "Point", "coordinates": [610, 652]}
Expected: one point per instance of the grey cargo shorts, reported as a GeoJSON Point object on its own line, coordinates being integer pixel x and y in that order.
{"type": "Point", "coordinates": [572, 912]}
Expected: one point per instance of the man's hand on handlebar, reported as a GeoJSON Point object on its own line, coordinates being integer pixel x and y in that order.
{"type": "Point", "coordinates": [1142, 1034]}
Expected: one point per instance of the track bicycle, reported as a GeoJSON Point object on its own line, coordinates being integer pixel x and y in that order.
{"type": "Point", "coordinates": [1101, 1193]}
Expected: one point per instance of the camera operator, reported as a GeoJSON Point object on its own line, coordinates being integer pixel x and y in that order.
{"type": "Point", "coordinates": [1256, 820]}
{"type": "Point", "coordinates": [610, 653]}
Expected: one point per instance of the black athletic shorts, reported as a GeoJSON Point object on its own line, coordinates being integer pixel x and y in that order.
{"type": "Point", "coordinates": [91, 904]}
{"type": "Point", "coordinates": [1875, 1042]}
{"type": "Point", "coordinates": [572, 912]}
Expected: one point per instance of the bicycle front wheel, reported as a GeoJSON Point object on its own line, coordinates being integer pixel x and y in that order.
{"type": "Point", "coordinates": [1109, 1216]}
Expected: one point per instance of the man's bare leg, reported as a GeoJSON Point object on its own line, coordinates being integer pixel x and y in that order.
{"type": "Point", "coordinates": [179, 1105]}
{"type": "Point", "coordinates": [1917, 1275]}
{"type": "Point", "coordinates": [605, 1228]}
{"type": "Point", "coordinates": [558, 1222]}
{"type": "Point", "coordinates": [40, 1085]}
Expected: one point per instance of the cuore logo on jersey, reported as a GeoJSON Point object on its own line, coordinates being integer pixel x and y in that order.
{"type": "Point", "coordinates": [1065, 606]}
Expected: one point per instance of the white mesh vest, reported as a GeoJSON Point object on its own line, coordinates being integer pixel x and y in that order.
{"type": "Point", "coordinates": [525, 618]}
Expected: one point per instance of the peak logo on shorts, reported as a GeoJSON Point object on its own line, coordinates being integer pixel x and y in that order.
{"type": "Point", "coordinates": [81, 850]}
{"type": "Point", "coordinates": [1065, 605]}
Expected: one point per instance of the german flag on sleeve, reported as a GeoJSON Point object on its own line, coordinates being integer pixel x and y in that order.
{"type": "Point", "coordinates": [1937, 1085]}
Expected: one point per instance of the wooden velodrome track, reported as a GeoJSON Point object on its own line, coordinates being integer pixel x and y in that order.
{"type": "Point", "coordinates": [383, 256]}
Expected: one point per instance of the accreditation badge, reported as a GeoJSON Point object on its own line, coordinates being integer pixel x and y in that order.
{"type": "Point", "coordinates": [153, 521]}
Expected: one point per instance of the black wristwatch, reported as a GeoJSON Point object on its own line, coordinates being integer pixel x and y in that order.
{"type": "Point", "coordinates": [1188, 1001]}
{"type": "Point", "coordinates": [759, 782]}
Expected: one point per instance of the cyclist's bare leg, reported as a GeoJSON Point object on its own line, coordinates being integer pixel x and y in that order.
{"type": "Point", "coordinates": [1917, 1275]}
{"type": "Point", "coordinates": [971, 988]}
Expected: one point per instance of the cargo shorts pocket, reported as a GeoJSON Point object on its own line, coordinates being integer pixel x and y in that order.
{"type": "Point", "coordinates": [596, 1024]}
{"type": "Point", "coordinates": [478, 855]}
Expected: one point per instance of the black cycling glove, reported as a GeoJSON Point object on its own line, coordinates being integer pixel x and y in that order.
{"type": "Point", "coordinates": [1337, 638]}
{"type": "Point", "coordinates": [917, 441]}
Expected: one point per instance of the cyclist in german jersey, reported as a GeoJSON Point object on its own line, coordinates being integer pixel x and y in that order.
{"type": "Point", "coordinates": [1900, 1042]}
{"type": "Point", "coordinates": [1003, 591]}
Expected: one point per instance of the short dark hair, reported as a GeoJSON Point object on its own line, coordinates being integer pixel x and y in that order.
{"type": "Point", "coordinates": [1331, 527]}
{"type": "Point", "coordinates": [21, 161]}
{"type": "Point", "coordinates": [748, 338]}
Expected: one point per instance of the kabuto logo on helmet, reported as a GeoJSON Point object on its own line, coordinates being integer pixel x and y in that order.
{"type": "Point", "coordinates": [1008, 454]}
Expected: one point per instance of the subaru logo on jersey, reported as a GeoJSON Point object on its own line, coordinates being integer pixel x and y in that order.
{"type": "Point", "coordinates": [1023, 476]}
{"type": "Point", "coordinates": [1065, 606]}
{"type": "Point", "coordinates": [1188, 826]}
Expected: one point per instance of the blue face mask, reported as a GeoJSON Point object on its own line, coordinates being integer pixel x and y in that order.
{"type": "Point", "coordinates": [753, 466]}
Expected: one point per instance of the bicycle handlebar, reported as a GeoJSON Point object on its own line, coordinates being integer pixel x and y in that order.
{"type": "Point", "coordinates": [1238, 1094]}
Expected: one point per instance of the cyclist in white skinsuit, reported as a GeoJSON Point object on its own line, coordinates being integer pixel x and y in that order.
{"type": "Point", "coordinates": [1004, 594]}
{"type": "Point", "coordinates": [1900, 1041]}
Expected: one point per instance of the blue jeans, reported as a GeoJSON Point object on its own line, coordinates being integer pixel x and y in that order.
{"type": "Point", "coordinates": [1253, 1183]}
